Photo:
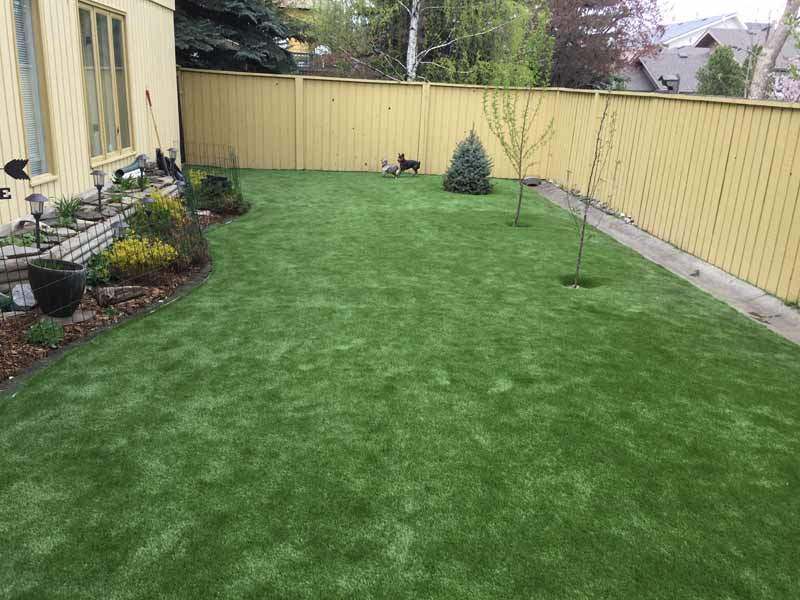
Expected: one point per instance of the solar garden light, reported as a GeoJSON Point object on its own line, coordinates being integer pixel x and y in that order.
{"type": "Point", "coordinates": [99, 178]}
{"type": "Point", "coordinates": [141, 160]}
{"type": "Point", "coordinates": [37, 202]}
{"type": "Point", "coordinates": [120, 229]}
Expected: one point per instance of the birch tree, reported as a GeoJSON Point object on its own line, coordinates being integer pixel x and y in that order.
{"type": "Point", "coordinates": [760, 88]}
{"type": "Point", "coordinates": [398, 38]}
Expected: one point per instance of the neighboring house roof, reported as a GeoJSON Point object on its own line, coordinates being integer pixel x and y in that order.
{"type": "Point", "coordinates": [635, 78]}
{"type": "Point", "coordinates": [741, 41]}
{"type": "Point", "coordinates": [677, 30]}
{"type": "Point", "coordinates": [674, 63]}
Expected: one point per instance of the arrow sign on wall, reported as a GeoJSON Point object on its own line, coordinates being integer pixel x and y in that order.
{"type": "Point", "coordinates": [16, 168]}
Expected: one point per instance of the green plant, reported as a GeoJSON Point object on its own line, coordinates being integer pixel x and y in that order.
{"type": "Point", "coordinates": [134, 257]}
{"type": "Point", "coordinates": [111, 311]}
{"type": "Point", "coordinates": [6, 303]}
{"type": "Point", "coordinates": [470, 168]}
{"type": "Point", "coordinates": [511, 121]}
{"type": "Point", "coordinates": [196, 177]}
{"type": "Point", "coordinates": [161, 219]}
{"type": "Point", "coordinates": [219, 196]}
{"type": "Point", "coordinates": [125, 184]}
{"type": "Point", "coordinates": [67, 210]}
{"type": "Point", "coordinates": [98, 271]}
{"type": "Point", "coordinates": [24, 239]}
{"type": "Point", "coordinates": [45, 333]}
{"type": "Point", "coordinates": [722, 75]}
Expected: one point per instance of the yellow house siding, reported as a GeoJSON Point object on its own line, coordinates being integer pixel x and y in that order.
{"type": "Point", "coordinates": [718, 178]}
{"type": "Point", "coordinates": [151, 64]}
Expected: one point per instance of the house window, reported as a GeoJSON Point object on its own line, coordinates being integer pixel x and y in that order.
{"type": "Point", "coordinates": [105, 80]}
{"type": "Point", "coordinates": [32, 86]}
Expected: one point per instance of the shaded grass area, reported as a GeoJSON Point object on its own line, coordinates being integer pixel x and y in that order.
{"type": "Point", "coordinates": [384, 391]}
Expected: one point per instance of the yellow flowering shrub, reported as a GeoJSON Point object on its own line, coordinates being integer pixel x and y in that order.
{"type": "Point", "coordinates": [196, 177]}
{"type": "Point", "coordinates": [132, 257]}
{"type": "Point", "coordinates": [161, 219]}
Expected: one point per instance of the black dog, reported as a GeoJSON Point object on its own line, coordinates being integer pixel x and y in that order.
{"type": "Point", "coordinates": [407, 165]}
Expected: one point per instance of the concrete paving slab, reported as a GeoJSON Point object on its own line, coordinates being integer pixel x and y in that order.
{"type": "Point", "coordinates": [746, 298]}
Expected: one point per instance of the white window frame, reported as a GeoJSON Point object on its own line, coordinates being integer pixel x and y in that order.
{"type": "Point", "coordinates": [120, 151]}
{"type": "Point", "coordinates": [44, 124]}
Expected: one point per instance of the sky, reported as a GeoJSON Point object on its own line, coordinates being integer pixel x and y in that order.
{"type": "Point", "coordinates": [750, 10]}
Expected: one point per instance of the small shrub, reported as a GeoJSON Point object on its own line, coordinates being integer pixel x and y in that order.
{"type": "Point", "coordinates": [98, 271]}
{"type": "Point", "coordinates": [470, 168]}
{"type": "Point", "coordinates": [216, 194]}
{"type": "Point", "coordinates": [168, 221]}
{"type": "Point", "coordinates": [25, 239]}
{"type": "Point", "coordinates": [161, 219]}
{"type": "Point", "coordinates": [6, 303]}
{"type": "Point", "coordinates": [125, 184]}
{"type": "Point", "coordinates": [191, 245]}
{"type": "Point", "coordinates": [196, 177]}
{"type": "Point", "coordinates": [67, 210]}
{"type": "Point", "coordinates": [134, 257]}
{"type": "Point", "coordinates": [45, 333]}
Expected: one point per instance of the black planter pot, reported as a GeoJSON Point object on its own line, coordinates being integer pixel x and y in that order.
{"type": "Point", "coordinates": [58, 285]}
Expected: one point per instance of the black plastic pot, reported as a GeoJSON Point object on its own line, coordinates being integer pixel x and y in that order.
{"type": "Point", "coordinates": [58, 285]}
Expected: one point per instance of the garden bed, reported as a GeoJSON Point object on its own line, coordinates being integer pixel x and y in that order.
{"type": "Point", "coordinates": [18, 355]}
{"type": "Point", "coordinates": [134, 252]}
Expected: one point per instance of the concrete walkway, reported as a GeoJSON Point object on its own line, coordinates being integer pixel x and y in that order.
{"type": "Point", "coordinates": [749, 300]}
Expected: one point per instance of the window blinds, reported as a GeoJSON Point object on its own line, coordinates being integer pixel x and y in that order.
{"type": "Point", "coordinates": [30, 87]}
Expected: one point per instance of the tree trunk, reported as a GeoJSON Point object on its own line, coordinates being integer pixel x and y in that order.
{"type": "Point", "coordinates": [413, 40]}
{"type": "Point", "coordinates": [581, 244]}
{"type": "Point", "coordinates": [765, 64]}
{"type": "Point", "coordinates": [519, 204]}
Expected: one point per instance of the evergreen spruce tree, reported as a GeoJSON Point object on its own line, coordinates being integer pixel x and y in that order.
{"type": "Point", "coordinates": [470, 168]}
{"type": "Point", "coordinates": [234, 35]}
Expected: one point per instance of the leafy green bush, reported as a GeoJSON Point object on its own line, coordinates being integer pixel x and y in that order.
{"type": "Point", "coordinates": [161, 219]}
{"type": "Point", "coordinates": [167, 220]}
{"type": "Point", "coordinates": [98, 271]}
{"type": "Point", "coordinates": [45, 333]}
{"type": "Point", "coordinates": [470, 168]}
{"type": "Point", "coordinates": [216, 194]}
{"type": "Point", "coordinates": [6, 303]}
{"type": "Point", "coordinates": [25, 239]}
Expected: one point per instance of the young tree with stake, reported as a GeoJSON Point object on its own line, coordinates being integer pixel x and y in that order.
{"type": "Point", "coordinates": [602, 147]}
{"type": "Point", "coordinates": [511, 123]}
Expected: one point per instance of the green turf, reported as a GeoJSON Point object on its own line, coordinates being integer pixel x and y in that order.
{"type": "Point", "coordinates": [384, 391]}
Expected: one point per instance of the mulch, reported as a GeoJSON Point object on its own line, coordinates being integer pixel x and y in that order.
{"type": "Point", "coordinates": [17, 355]}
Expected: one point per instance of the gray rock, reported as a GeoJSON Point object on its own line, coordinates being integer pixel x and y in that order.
{"type": "Point", "coordinates": [22, 294]}
{"type": "Point", "coordinates": [531, 181]}
{"type": "Point", "coordinates": [17, 251]}
{"type": "Point", "coordinates": [79, 316]}
{"type": "Point", "coordinates": [89, 215]}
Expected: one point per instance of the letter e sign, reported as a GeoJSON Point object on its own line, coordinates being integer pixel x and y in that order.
{"type": "Point", "coordinates": [5, 193]}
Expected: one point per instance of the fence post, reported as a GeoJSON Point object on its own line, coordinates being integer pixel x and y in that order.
{"type": "Point", "coordinates": [424, 111]}
{"type": "Point", "coordinates": [299, 125]}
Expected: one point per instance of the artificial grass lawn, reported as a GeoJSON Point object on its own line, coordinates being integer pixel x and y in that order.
{"type": "Point", "coordinates": [384, 391]}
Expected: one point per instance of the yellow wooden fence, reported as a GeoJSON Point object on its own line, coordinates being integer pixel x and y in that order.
{"type": "Point", "coordinates": [717, 178]}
